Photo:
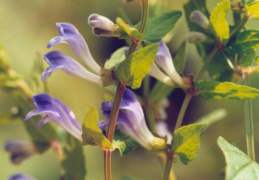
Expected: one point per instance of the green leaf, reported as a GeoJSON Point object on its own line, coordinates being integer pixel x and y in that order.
{"type": "Point", "coordinates": [239, 165]}
{"type": "Point", "coordinates": [219, 69]}
{"type": "Point", "coordinates": [158, 27]}
{"type": "Point", "coordinates": [92, 135]}
{"type": "Point", "coordinates": [124, 143]}
{"type": "Point", "coordinates": [218, 21]}
{"type": "Point", "coordinates": [131, 31]}
{"type": "Point", "coordinates": [179, 58]}
{"type": "Point", "coordinates": [134, 68]}
{"type": "Point", "coordinates": [73, 165]}
{"type": "Point", "coordinates": [186, 141]}
{"type": "Point", "coordinates": [226, 90]}
{"type": "Point", "coordinates": [116, 58]}
{"type": "Point", "coordinates": [213, 117]}
{"type": "Point", "coordinates": [160, 91]}
{"type": "Point", "coordinates": [253, 10]}
{"type": "Point", "coordinates": [246, 40]}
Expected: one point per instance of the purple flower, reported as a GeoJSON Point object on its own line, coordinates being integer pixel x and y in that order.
{"type": "Point", "coordinates": [131, 120]}
{"type": "Point", "coordinates": [162, 130]}
{"type": "Point", "coordinates": [57, 60]}
{"type": "Point", "coordinates": [102, 26]}
{"type": "Point", "coordinates": [165, 62]}
{"type": "Point", "coordinates": [56, 112]}
{"type": "Point", "coordinates": [20, 176]}
{"type": "Point", "coordinates": [19, 150]}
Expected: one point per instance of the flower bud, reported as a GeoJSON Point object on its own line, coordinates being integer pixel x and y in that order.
{"type": "Point", "coordinates": [199, 18]}
{"type": "Point", "coordinates": [195, 37]}
{"type": "Point", "coordinates": [103, 26]}
{"type": "Point", "coordinates": [19, 150]}
{"type": "Point", "coordinates": [20, 176]}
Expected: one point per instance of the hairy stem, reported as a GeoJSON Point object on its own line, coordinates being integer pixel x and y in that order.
{"type": "Point", "coordinates": [249, 124]}
{"type": "Point", "coordinates": [144, 16]}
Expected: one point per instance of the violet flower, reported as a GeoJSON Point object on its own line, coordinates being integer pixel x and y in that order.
{"type": "Point", "coordinates": [20, 176]}
{"type": "Point", "coordinates": [165, 62]}
{"type": "Point", "coordinates": [56, 112]}
{"type": "Point", "coordinates": [199, 18]}
{"type": "Point", "coordinates": [19, 150]}
{"type": "Point", "coordinates": [131, 121]}
{"type": "Point", "coordinates": [57, 60]}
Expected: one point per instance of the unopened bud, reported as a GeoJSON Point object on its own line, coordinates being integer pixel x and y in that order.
{"type": "Point", "coordinates": [194, 37]}
{"type": "Point", "coordinates": [199, 18]}
{"type": "Point", "coordinates": [103, 26]}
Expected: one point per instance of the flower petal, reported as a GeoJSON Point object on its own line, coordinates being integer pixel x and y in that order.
{"type": "Point", "coordinates": [19, 150]}
{"type": "Point", "coordinates": [130, 119]}
{"type": "Point", "coordinates": [69, 34]}
{"type": "Point", "coordinates": [20, 176]}
{"type": "Point", "coordinates": [58, 60]}
{"type": "Point", "coordinates": [164, 60]}
{"type": "Point", "coordinates": [101, 25]}
{"type": "Point", "coordinates": [57, 112]}
{"type": "Point", "coordinates": [159, 75]}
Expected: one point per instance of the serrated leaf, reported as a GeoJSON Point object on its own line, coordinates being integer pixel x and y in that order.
{"type": "Point", "coordinates": [116, 58]}
{"type": "Point", "coordinates": [158, 27]}
{"type": "Point", "coordinates": [179, 58]}
{"type": "Point", "coordinates": [226, 90]}
{"type": "Point", "coordinates": [73, 165]}
{"type": "Point", "coordinates": [253, 10]}
{"type": "Point", "coordinates": [160, 91]}
{"type": "Point", "coordinates": [92, 134]}
{"type": "Point", "coordinates": [126, 143]}
{"type": "Point", "coordinates": [186, 141]}
{"type": "Point", "coordinates": [239, 165]}
{"type": "Point", "coordinates": [134, 68]}
{"type": "Point", "coordinates": [218, 20]}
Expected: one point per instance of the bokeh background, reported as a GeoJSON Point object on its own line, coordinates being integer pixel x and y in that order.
{"type": "Point", "coordinates": [27, 27]}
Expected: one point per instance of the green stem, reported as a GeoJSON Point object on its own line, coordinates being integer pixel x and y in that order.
{"type": "Point", "coordinates": [249, 124]}
{"type": "Point", "coordinates": [168, 165]}
{"type": "Point", "coordinates": [207, 62]}
{"type": "Point", "coordinates": [183, 109]}
{"type": "Point", "coordinates": [144, 15]}
{"type": "Point", "coordinates": [119, 94]}
{"type": "Point", "coordinates": [239, 26]}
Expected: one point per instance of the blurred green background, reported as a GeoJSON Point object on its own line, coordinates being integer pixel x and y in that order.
{"type": "Point", "coordinates": [27, 27]}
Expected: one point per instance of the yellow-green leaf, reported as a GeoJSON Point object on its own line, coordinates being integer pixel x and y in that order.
{"type": "Point", "coordinates": [253, 10]}
{"type": "Point", "coordinates": [131, 31]}
{"type": "Point", "coordinates": [225, 90]}
{"type": "Point", "coordinates": [134, 68]}
{"type": "Point", "coordinates": [92, 134]}
{"type": "Point", "coordinates": [186, 141]}
{"type": "Point", "coordinates": [218, 21]}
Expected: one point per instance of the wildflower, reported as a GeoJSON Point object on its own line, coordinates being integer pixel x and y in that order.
{"type": "Point", "coordinates": [165, 62]}
{"type": "Point", "coordinates": [56, 112]}
{"type": "Point", "coordinates": [131, 121]}
{"type": "Point", "coordinates": [162, 130]}
{"type": "Point", "coordinates": [57, 60]}
{"type": "Point", "coordinates": [199, 18]}
{"type": "Point", "coordinates": [20, 176]}
{"type": "Point", "coordinates": [19, 150]}
{"type": "Point", "coordinates": [103, 26]}
{"type": "Point", "coordinates": [159, 109]}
